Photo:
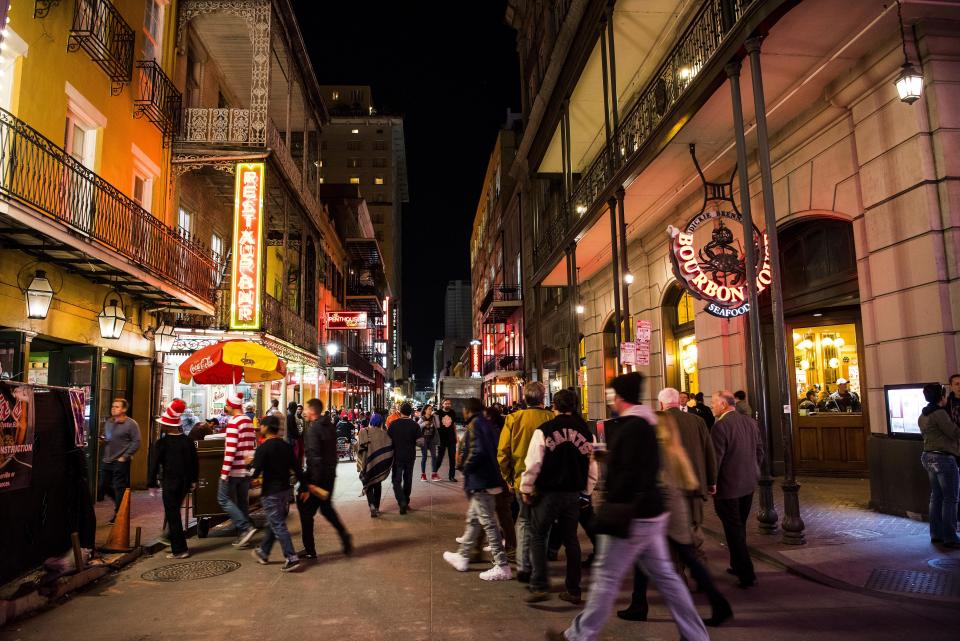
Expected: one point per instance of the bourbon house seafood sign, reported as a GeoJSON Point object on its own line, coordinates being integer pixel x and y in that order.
{"type": "Point", "coordinates": [245, 288]}
{"type": "Point", "coordinates": [712, 266]}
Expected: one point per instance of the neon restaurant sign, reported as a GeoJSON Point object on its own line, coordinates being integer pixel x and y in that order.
{"type": "Point", "coordinates": [245, 290]}
{"type": "Point", "coordinates": [715, 271]}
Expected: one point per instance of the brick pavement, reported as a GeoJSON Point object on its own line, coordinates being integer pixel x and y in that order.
{"type": "Point", "coordinates": [848, 545]}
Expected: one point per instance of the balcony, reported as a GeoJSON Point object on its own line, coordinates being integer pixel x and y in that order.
{"type": "Point", "coordinates": [499, 303]}
{"type": "Point", "coordinates": [215, 125]}
{"type": "Point", "coordinates": [646, 122]}
{"type": "Point", "coordinates": [100, 30]}
{"type": "Point", "coordinates": [352, 361]}
{"type": "Point", "coordinates": [158, 100]}
{"type": "Point", "coordinates": [94, 223]}
{"type": "Point", "coordinates": [504, 364]}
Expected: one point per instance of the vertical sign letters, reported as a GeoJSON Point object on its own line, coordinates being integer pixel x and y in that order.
{"type": "Point", "coordinates": [245, 303]}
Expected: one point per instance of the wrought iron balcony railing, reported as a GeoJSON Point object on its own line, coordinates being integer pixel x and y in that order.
{"type": "Point", "coordinates": [41, 8]}
{"type": "Point", "coordinates": [503, 363]}
{"type": "Point", "coordinates": [216, 125]}
{"type": "Point", "coordinates": [158, 99]}
{"type": "Point", "coordinates": [699, 42]}
{"type": "Point", "coordinates": [283, 322]}
{"type": "Point", "coordinates": [42, 176]}
{"type": "Point", "coordinates": [500, 294]}
{"type": "Point", "coordinates": [100, 30]}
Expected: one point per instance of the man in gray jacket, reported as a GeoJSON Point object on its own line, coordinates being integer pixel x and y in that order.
{"type": "Point", "coordinates": [121, 436]}
{"type": "Point", "coordinates": [739, 450]}
{"type": "Point", "coordinates": [699, 447]}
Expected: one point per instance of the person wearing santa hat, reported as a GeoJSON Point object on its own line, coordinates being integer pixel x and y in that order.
{"type": "Point", "coordinates": [234, 488]}
{"type": "Point", "coordinates": [175, 464]}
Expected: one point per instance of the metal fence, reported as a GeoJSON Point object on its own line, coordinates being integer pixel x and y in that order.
{"type": "Point", "coordinates": [100, 30]}
{"type": "Point", "coordinates": [39, 174]}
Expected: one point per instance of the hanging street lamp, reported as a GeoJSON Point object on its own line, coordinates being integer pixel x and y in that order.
{"type": "Point", "coordinates": [163, 338]}
{"type": "Point", "coordinates": [111, 317]}
{"type": "Point", "coordinates": [39, 295]}
{"type": "Point", "coordinates": [909, 81]}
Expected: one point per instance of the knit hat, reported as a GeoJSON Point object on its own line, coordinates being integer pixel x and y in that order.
{"type": "Point", "coordinates": [171, 417]}
{"type": "Point", "coordinates": [376, 420]}
{"type": "Point", "coordinates": [234, 400]}
{"type": "Point", "coordinates": [629, 387]}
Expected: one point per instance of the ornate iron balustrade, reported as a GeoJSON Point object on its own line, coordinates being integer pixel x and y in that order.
{"type": "Point", "coordinates": [500, 293]}
{"type": "Point", "coordinates": [158, 100]}
{"type": "Point", "coordinates": [694, 49]}
{"type": "Point", "coordinates": [216, 125]}
{"type": "Point", "coordinates": [503, 363]}
{"type": "Point", "coordinates": [42, 176]}
{"type": "Point", "coordinates": [100, 30]}
{"type": "Point", "coordinates": [41, 8]}
{"type": "Point", "coordinates": [284, 323]}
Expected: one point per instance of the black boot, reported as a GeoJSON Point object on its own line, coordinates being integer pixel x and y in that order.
{"type": "Point", "coordinates": [720, 613]}
{"type": "Point", "coordinates": [634, 613]}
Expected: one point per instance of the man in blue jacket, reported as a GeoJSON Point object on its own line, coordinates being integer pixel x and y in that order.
{"type": "Point", "coordinates": [482, 482]}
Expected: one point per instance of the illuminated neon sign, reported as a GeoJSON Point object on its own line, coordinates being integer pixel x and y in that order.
{"type": "Point", "coordinates": [245, 291]}
{"type": "Point", "coordinates": [346, 320]}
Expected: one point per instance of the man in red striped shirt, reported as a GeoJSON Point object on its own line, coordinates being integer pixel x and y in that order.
{"type": "Point", "coordinates": [241, 440]}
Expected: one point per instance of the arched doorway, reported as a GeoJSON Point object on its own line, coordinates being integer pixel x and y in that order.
{"type": "Point", "coordinates": [821, 303]}
{"type": "Point", "coordinates": [680, 341]}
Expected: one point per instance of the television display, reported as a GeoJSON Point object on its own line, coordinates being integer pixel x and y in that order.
{"type": "Point", "coordinates": [904, 403]}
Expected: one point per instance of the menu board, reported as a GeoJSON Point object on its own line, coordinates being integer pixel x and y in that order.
{"type": "Point", "coordinates": [904, 403]}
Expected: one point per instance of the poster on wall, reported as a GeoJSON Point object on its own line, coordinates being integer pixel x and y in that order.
{"type": "Point", "coordinates": [16, 436]}
{"type": "Point", "coordinates": [644, 330]}
{"type": "Point", "coordinates": [628, 353]}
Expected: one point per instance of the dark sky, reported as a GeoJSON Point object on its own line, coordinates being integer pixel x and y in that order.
{"type": "Point", "coordinates": [451, 70]}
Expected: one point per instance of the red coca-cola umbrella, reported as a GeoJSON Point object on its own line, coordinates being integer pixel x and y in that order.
{"type": "Point", "coordinates": [230, 362]}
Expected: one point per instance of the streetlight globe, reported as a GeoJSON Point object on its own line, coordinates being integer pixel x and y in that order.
{"type": "Point", "coordinates": [628, 278]}
{"type": "Point", "coordinates": [332, 349]}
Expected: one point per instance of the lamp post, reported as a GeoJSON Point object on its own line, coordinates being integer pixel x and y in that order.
{"type": "Point", "coordinates": [332, 349]}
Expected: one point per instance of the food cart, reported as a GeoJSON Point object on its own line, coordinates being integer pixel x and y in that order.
{"type": "Point", "coordinates": [228, 362]}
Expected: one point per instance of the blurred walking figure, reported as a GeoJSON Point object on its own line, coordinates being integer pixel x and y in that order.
{"type": "Point", "coordinates": [174, 469]}
{"type": "Point", "coordinates": [482, 482]}
{"type": "Point", "coordinates": [514, 441]}
{"type": "Point", "coordinates": [374, 461]}
{"type": "Point", "coordinates": [632, 522]}
{"type": "Point", "coordinates": [739, 449]}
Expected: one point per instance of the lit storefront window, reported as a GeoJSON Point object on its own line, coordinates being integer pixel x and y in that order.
{"type": "Point", "coordinates": [827, 369]}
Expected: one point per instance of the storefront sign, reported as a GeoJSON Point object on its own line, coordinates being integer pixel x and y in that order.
{"type": "Point", "coordinates": [644, 328]}
{"type": "Point", "coordinates": [715, 272]}
{"type": "Point", "coordinates": [346, 320]}
{"type": "Point", "coordinates": [245, 303]}
{"type": "Point", "coordinates": [16, 436]}
{"type": "Point", "coordinates": [475, 359]}
{"type": "Point", "coordinates": [628, 353]}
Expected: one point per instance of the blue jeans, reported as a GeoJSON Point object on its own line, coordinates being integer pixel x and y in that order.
{"type": "Point", "coordinates": [232, 496]}
{"type": "Point", "coordinates": [646, 549]}
{"type": "Point", "coordinates": [944, 482]}
{"type": "Point", "coordinates": [431, 447]}
{"type": "Point", "coordinates": [482, 517]}
{"type": "Point", "coordinates": [277, 507]}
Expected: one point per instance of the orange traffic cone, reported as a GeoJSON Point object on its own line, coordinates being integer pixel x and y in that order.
{"type": "Point", "coordinates": [119, 539]}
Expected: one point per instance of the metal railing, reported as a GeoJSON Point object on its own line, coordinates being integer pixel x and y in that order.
{"type": "Point", "coordinates": [502, 293]}
{"type": "Point", "coordinates": [39, 174]}
{"type": "Point", "coordinates": [503, 363]}
{"type": "Point", "coordinates": [100, 30]}
{"type": "Point", "coordinates": [158, 99]}
{"type": "Point", "coordinates": [694, 49]}
{"type": "Point", "coordinates": [351, 358]}
{"type": "Point", "coordinates": [284, 323]}
{"type": "Point", "coordinates": [202, 124]}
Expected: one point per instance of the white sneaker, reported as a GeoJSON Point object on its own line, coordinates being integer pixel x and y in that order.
{"type": "Point", "coordinates": [497, 573]}
{"type": "Point", "coordinates": [460, 539]}
{"type": "Point", "coordinates": [459, 563]}
{"type": "Point", "coordinates": [486, 548]}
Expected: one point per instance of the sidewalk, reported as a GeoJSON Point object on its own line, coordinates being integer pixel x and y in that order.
{"type": "Point", "coordinates": [146, 512]}
{"type": "Point", "coordinates": [852, 547]}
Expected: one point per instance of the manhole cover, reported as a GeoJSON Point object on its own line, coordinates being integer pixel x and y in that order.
{"type": "Point", "coordinates": [912, 582]}
{"type": "Point", "coordinates": [190, 570]}
{"type": "Point", "coordinates": [945, 564]}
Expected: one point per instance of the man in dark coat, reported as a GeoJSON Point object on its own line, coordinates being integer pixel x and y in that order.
{"type": "Point", "coordinates": [404, 432]}
{"type": "Point", "coordinates": [739, 449]}
{"type": "Point", "coordinates": [320, 445]}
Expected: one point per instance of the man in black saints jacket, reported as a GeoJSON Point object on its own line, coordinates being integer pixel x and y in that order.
{"type": "Point", "coordinates": [320, 445]}
{"type": "Point", "coordinates": [633, 462]}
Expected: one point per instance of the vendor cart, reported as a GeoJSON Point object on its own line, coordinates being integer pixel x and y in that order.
{"type": "Point", "coordinates": [206, 508]}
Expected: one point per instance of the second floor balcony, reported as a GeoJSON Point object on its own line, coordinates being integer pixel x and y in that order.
{"type": "Point", "coordinates": [100, 30]}
{"type": "Point", "coordinates": [503, 363]}
{"type": "Point", "coordinates": [499, 303]}
{"type": "Point", "coordinates": [66, 213]}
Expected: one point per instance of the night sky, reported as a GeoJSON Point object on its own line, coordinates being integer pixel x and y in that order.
{"type": "Point", "coordinates": [452, 75]}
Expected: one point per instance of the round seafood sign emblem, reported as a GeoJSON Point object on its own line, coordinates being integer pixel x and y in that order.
{"type": "Point", "coordinates": [712, 267]}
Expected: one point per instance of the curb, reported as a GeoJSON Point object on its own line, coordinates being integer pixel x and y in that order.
{"type": "Point", "coordinates": [806, 572]}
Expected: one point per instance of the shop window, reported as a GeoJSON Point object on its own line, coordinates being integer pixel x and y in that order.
{"type": "Point", "coordinates": [825, 363]}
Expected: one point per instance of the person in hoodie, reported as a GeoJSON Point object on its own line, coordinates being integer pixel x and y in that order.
{"type": "Point", "coordinates": [482, 482]}
{"type": "Point", "coordinates": [941, 447]}
{"type": "Point", "coordinates": [559, 469]}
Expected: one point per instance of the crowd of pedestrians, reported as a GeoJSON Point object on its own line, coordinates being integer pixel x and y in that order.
{"type": "Point", "coordinates": [529, 474]}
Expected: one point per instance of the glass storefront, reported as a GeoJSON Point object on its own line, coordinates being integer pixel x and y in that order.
{"type": "Point", "coordinates": [827, 369]}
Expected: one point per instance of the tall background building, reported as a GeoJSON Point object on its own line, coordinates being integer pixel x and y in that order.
{"type": "Point", "coordinates": [457, 319]}
{"type": "Point", "coordinates": [362, 147]}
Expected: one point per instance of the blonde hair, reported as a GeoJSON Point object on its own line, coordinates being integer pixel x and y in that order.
{"type": "Point", "coordinates": [675, 467]}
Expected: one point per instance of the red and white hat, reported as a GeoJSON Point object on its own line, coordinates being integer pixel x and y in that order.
{"type": "Point", "coordinates": [171, 417]}
{"type": "Point", "coordinates": [234, 400]}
